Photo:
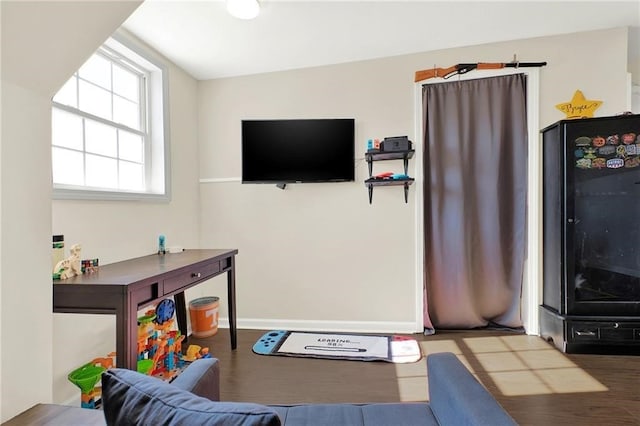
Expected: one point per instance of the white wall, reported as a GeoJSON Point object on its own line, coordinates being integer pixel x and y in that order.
{"type": "Point", "coordinates": [36, 61]}
{"type": "Point", "coordinates": [26, 290]}
{"type": "Point", "coordinates": [318, 255]}
{"type": "Point", "coordinates": [634, 95]}
{"type": "Point", "coordinates": [315, 252]}
{"type": "Point", "coordinates": [634, 69]}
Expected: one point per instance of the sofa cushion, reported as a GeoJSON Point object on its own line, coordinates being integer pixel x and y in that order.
{"type": "Point", "coordinates": [457, 398]}
{"type": "Point", "coordinates": [396, 414]}
{"type": "Point", "coordinates": [202, 378]}
{"type": "Point", "coordinates": [131, 398]}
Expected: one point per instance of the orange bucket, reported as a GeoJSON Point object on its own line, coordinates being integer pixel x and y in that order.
{"type": "Point", "coordinates": [203, 313]}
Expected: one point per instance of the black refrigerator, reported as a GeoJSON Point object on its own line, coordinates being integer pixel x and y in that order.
{"type": "Point", "coordinates": [591, 234]}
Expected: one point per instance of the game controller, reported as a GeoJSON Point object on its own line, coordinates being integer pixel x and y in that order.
{"type": "Point", "coordinates": [384, 175]}
{"type": "Point", "coordinates": [399, 176]}
{"type": "Point", "coordinates": [269, 342]}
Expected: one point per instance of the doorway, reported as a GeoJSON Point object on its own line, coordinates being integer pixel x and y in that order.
{"type": "Point", "coordinates": [531, 288]}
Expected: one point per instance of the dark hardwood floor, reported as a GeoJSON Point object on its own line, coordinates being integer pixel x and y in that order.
{"type": "Point", "coordinates": [534, 382]}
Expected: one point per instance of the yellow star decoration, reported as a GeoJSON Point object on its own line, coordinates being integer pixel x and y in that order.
{"type": "Point", "coordinates": [579, 107]}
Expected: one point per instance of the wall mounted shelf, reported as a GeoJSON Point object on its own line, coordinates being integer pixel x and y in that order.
{"type": "Point", "coordinates": [371, 156]}
{"type": "Point", "coordinates": [371, 182]}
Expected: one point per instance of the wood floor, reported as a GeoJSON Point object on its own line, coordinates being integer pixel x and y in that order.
{"type": "Point", "coordinates": [534, 382]}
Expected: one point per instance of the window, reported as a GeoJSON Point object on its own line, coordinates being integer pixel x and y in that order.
{"type": "Point", "coordinates": [109, 127]}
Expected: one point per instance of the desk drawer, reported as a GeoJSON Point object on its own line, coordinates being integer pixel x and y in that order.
{"type": "Point", "coordinates": [195, 274]}
{"type": "Point", "coordinates": [144, 295]}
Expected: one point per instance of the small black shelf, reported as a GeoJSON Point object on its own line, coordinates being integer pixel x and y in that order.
{"type": "Point", "coordinates": [371, 156]}
{"type": "Point", "coordinates": [371, 182]}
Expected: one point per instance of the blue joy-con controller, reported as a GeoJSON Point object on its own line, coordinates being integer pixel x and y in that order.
{"type": "Point", "coordinates": [269, 342]}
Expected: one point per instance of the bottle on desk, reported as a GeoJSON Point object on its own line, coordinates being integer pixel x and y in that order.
{"type": "Point", "coordinates": [161, 245]}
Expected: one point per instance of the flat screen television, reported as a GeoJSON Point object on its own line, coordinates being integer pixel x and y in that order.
{"type": "Point", "coordinates": [298, 151]}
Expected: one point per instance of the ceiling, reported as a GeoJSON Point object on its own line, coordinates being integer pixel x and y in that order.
{"type": "Point", "coordinates": [203, 39]}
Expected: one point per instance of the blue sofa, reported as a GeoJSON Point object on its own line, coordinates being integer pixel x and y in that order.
{"type": "Point", "coordinates": [130, 398]}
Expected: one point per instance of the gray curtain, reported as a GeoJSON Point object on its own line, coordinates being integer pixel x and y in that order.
{"type": "Point", "coordinates": [475, 171]}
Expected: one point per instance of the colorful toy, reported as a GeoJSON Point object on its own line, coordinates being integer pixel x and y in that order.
{"type": "Point", "coordinates": [159, 354]}
{"type": "Point", "coordinates": [160, 344]}
{"type": "Point", "coordinates": [196, 352]}
{"type": "Point", "coordinates": [69, 267]}
{"type": "Point", "coordinates": [87, 377]}
{"type": "Point", "coordinates": [89, 266]}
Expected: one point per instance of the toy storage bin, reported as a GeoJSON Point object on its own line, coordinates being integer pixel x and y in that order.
{"type": "Point", "coordinates": [203, 313]}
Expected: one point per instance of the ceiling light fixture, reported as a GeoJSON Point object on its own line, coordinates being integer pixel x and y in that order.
{"type": "Point", "coordinates": [243, 9]}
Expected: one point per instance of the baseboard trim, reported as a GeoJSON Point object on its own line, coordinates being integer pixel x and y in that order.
{"type": "Point", "coordinates": [333, 326]}
{"type": "Point", "coordinates": [74, 401]}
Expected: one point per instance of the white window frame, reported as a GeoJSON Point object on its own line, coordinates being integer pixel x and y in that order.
{"type": "Point", "coordinates": [157, 148]}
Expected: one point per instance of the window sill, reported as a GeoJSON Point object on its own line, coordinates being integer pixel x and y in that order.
{"type": "Point", "coordinates": [81, 194]}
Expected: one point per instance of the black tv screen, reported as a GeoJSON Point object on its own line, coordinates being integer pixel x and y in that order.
{"type": "Point", "coordinates": [303, 150]}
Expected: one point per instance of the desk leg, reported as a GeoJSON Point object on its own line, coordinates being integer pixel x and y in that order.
{"type": "Point", "coordinates": [131, 338]}
{"type": "Point", "coordinates": [121, 333]}
{"type": "Point", "coordinates": [127, 334]}
{"type": "Point", "coordinates": [231, 294]}
{"type": "Point", "coordinates": [181, 313]}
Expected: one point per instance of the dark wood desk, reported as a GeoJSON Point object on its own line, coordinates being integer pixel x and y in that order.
{"type": "Point", "coordinates": [123, 288]}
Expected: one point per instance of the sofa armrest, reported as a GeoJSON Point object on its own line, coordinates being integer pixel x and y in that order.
{"type": "Point", "coordinates": [457, 398]}
{"type": "Point", "coordinates": [202, 378]}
